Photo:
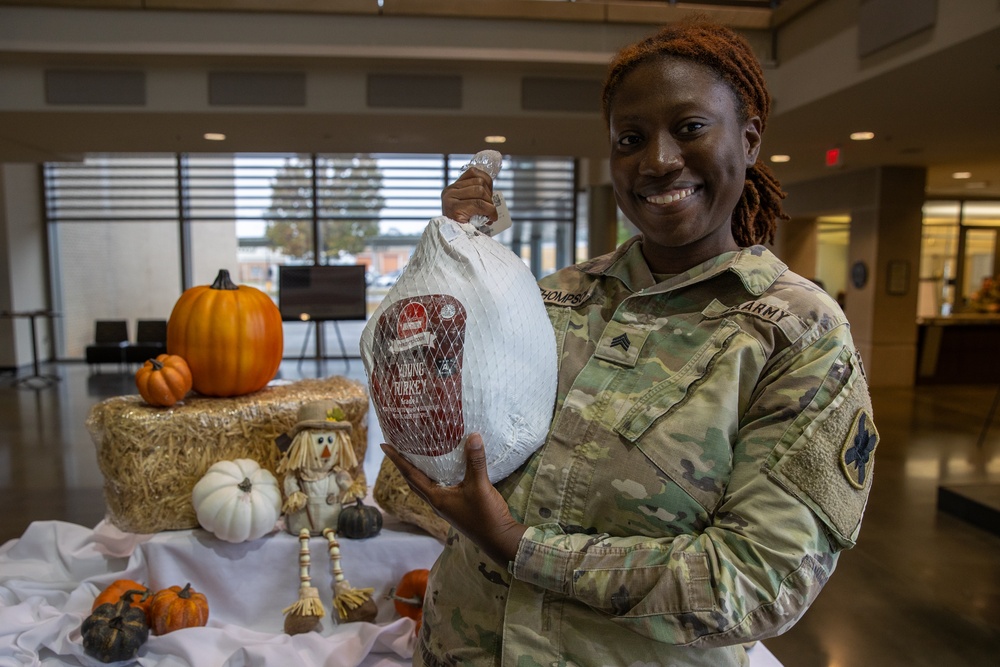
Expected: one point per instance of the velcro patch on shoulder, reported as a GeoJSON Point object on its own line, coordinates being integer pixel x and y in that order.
{"type": "Point", "coordinates": [831, 465]}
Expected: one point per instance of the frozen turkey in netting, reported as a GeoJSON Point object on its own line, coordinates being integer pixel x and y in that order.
{"type": "Point", "coordinates": [462, 344]}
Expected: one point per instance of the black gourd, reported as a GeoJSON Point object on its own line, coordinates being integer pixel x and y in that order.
{"type": "Point", "coordinates": [116, 631]}
{"type": "Point", "coordinates": [359, 521]}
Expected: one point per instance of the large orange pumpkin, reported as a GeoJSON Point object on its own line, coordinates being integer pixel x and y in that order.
{"type": "Point", "coordinates": [230, 336]}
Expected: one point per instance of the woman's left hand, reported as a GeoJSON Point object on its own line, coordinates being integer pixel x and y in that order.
{"type": "Point", "coordinates": [473, 506]}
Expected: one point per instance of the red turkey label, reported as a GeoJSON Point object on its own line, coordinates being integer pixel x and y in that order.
{"type": "Point", "coordinates": [417, 385]}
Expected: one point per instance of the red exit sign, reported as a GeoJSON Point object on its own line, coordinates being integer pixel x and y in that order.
{"type": "Point", "coordinates": [833, 157]}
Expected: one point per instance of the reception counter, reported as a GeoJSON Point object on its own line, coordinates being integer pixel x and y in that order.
{"type": "Point", "coordinates": [961, 349]}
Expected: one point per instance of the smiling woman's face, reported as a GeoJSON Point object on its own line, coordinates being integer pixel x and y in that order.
{"type": "Point", "coordinates": [679, 155]}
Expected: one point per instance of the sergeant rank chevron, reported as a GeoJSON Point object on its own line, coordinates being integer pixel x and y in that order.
{"type": "Point", "coordinates": [621, 341]}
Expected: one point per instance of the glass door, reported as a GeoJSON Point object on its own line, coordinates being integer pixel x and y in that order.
{"type": "Point", "coordinates": [958, 267]}
{"type": "Point", "coordinates": [979, 287]}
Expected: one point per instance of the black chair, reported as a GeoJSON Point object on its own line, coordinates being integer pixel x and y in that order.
{"type": "Point", "coordinates": [110, 342]}
{"type": "Point", "coordinates": [150, 341]}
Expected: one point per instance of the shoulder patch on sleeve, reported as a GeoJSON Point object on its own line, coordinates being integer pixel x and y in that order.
{"type": "Point", "coordinates": [831, 465]}
{"type": "Point", "coordinates": [857, 451]}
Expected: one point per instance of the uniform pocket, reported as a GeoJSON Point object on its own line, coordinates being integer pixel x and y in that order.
{"type": "Point", "coordinates": [694, 453]}
{"type": "Point", "coordinates": [669, 393]}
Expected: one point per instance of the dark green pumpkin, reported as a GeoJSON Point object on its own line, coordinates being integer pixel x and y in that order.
{"type": "Point", "coordinates": [116, 631]}
{"type": "Point", "coordinates": [359, 521]}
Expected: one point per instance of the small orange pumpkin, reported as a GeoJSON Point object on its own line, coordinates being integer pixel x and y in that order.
{"type": "Point", "coordinates": [116, 591]}
{"type": "Point", "coordinates": [176, 608]}
{"type": "Point", "coordinates": [408, 597]}
{"type": "Point", "coordinates": [230, 335]}
{"type": "Point", "coordinates": [163, 381]}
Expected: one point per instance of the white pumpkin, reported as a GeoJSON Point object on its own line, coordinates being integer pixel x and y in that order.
{"type": "Point", "coordinates": [237, 500]}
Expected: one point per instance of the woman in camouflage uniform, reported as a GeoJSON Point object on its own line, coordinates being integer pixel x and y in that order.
{"type": "Point", "coordinates": [711, 449]}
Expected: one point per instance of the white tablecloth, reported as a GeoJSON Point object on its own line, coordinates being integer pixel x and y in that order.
{"type": "Point", "coordinates": [50, 576]}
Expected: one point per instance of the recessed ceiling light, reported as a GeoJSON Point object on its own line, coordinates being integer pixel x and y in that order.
{"type": "Point", "coordinates": [862, 136]}
{"type": "Point", "coordinates": [977, 185]}
{"type": "Point", "coordinates": [780, 158]}
{"type": "Point", "coordinates": [962, 174]}
{"type": "Point", "coordinates": [215, 136]}
{"type": "Point", "coordinates": [495, 139]}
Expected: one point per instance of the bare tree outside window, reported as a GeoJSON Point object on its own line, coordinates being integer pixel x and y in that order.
{"type": "Point", "coordinates": [348, 194]}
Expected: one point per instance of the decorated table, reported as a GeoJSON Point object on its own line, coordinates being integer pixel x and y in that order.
{"type": "Point", "coordinates": [50, 576]}
{"type": "Point", "coordinates": [152, 458]}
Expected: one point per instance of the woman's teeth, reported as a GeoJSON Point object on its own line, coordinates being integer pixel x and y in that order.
{"type": "Point", "coordinates": [669, 198]}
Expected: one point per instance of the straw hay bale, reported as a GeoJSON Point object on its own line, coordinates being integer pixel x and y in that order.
{"type": "Point", "coordinates": [152, 457]}
{"type": "Point", "coordinates": [394, 496]}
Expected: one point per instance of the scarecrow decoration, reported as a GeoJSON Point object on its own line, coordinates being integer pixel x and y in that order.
{"type": "Point", "coordinates": [317, 469]}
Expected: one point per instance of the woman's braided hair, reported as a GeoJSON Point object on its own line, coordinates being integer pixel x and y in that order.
{"type": "Point", "coordinates": [729, 55]}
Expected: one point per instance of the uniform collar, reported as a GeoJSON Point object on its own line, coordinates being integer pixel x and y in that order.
{"type": "Point", "coordinates": [756, 266]}
{"type": "Point", "coordinates": [626, 263]}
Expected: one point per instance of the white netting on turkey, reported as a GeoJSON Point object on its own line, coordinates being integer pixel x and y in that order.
{"type": "Point", "coordinates": [462, 344]}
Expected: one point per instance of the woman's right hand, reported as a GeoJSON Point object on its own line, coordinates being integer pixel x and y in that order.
{"type": "Point", "coordinates": [471, 194]}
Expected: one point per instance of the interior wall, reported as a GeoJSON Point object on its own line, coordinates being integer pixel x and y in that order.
{"type": "Point", "coordinates": [795, 244]}
{"type": "Point", "coordinates": [886, 209]}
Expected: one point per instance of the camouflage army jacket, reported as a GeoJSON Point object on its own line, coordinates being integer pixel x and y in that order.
{"type": "Point", "coordinates": [710, 455]}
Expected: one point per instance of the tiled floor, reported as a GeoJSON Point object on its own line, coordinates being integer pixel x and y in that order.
{"type": "Point", "coordinates": [921, 589]}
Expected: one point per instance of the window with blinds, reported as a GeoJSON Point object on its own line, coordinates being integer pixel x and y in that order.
{"type": "Point", "coordinates": [145, 227]}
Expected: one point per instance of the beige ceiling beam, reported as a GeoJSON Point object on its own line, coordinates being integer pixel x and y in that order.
{"type": "Point", "coordinates": [589, 11]}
